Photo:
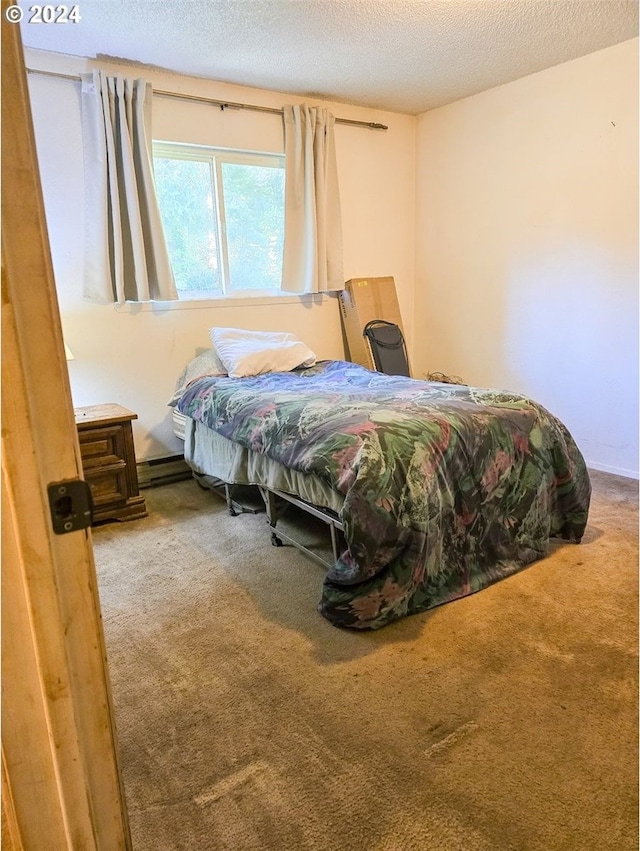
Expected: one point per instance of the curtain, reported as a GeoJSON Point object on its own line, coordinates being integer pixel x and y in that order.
{"type": "Point", "coordinates": [126, 256]}
{"type": "Point", "coordinates": [312, 256]}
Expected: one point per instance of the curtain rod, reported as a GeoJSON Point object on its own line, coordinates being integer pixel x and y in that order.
{"type": "Point", "coordinates": [223, 104]}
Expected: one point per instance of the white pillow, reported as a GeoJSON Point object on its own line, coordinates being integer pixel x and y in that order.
{"type": "Point", "coordinates": [245, 353]}
{"type": "Point", "coordinates": [206, 363]}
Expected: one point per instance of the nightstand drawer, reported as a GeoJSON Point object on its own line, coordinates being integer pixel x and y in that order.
{"type": "Point", "coordinates": [108, 484]}
{"type": "Point", "coordinates": [100, 446]}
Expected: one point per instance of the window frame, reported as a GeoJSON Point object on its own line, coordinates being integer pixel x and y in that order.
{"type": "Point", "coordinates": [216, 156]}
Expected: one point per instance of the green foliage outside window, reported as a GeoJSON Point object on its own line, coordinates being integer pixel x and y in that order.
{"type": "Point", "coordinates": [185, 194]}
{"type": "Point", "coordinates": [223, 217]}
{"type": "Point", "coordinates": [254, 212]}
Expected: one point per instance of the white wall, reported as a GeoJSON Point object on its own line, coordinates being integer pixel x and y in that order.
{"type": "Point", "coordinates": [133, 354]}
{"type": "Point", "coordinates": [527, 246]}
{"type": "Point", "coordinates": [525, 233]}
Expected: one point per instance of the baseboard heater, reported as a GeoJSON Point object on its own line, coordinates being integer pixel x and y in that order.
{"type": "Point", "coordinates": [162, 471]}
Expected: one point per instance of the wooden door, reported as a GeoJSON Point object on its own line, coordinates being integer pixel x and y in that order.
{"type": "Point", "coordinates": [60, 780]}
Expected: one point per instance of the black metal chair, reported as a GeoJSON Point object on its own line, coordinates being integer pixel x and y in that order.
{"type": "Point", "coordinates": [388, 348]}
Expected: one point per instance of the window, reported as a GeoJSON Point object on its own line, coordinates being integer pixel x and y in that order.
{"type": "Point", "coordinates": [223, 216]}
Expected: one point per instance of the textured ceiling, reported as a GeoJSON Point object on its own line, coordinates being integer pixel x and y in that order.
{"type": "Point", "coordinates": [400, 55]}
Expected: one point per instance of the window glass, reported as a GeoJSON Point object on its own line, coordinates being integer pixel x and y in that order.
{"type": "Point", "coordinates": [186, 196]}
{"type": "Point", "coordinates": [254, 213]}
{"type": "Point", "coordinates": [223, 216]}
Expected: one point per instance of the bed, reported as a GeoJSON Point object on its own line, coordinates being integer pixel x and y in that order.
{"type": "Point", "coordinates": [436, 490]}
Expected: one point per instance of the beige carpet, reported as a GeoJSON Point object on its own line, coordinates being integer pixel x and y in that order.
{"type": "Point", "coordinates": [507, 720]}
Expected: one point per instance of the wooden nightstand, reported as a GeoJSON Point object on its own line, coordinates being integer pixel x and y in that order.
{"type": "Point", "coordinates": [109, 461]}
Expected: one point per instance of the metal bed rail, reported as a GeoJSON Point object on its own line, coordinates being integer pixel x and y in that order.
{"type": "Point", "coordinates": [275, 511]}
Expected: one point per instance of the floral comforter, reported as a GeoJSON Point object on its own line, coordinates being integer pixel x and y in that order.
{"type": "Point", "coordinates": [447, 488]}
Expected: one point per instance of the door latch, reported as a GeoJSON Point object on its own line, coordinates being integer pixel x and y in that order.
{"type": "Point", "coordinates": [71, 505]}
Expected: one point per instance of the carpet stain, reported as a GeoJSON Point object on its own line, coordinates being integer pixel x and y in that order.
{"type": "Point", "coordinates": [451, 739]}
{"type": "Point", "coordinates": [553, 652]}
{"type": "Point", "coordinates": [231, 783]}
{"type": "Point", "coordinates": [619, 644]}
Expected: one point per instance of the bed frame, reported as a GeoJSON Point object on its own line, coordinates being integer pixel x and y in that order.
{"type": "Point", "coordinates": [226, 478]}
{"type": "Point", "coordinates": [276, 504]}
{"type": "Point", "coordinates": [237, 501]}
